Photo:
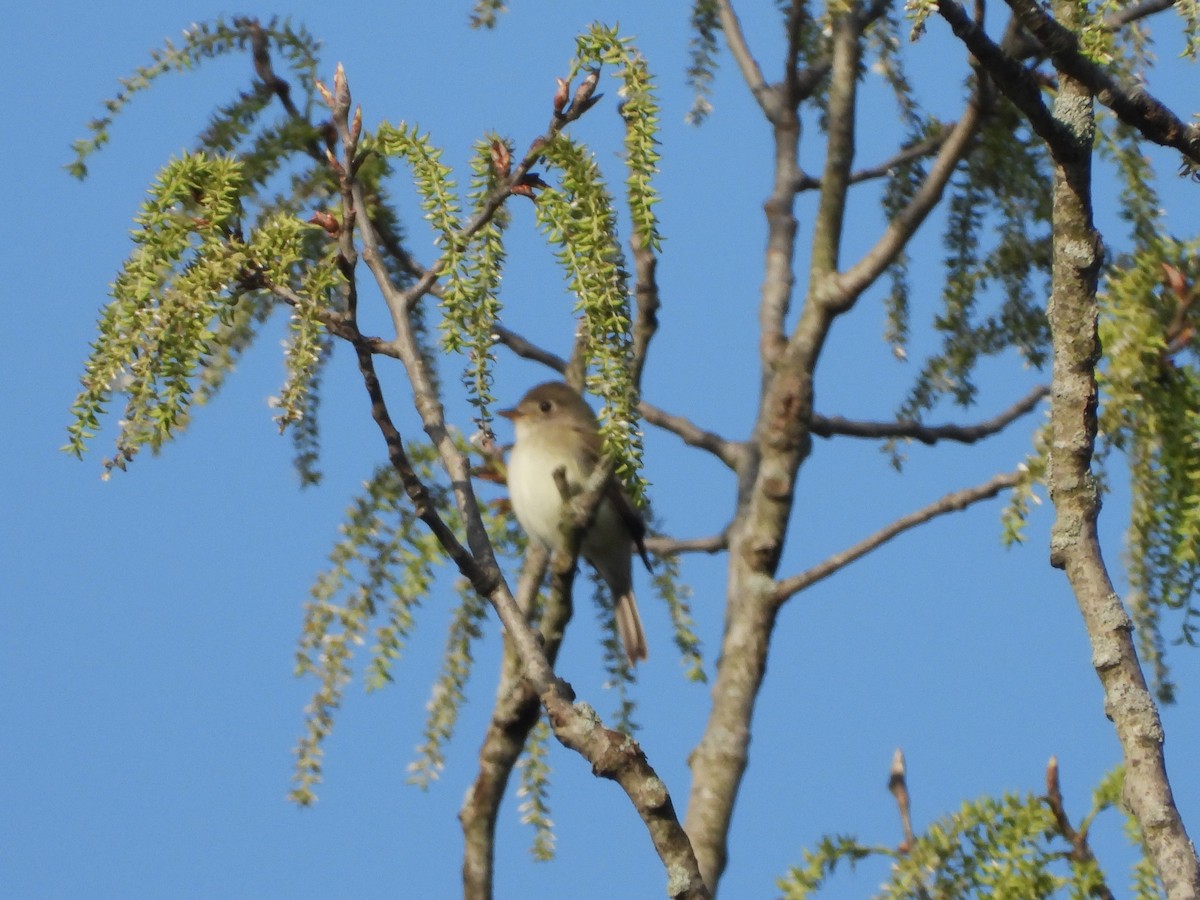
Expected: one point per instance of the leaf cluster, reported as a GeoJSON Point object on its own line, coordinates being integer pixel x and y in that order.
{"type": "Point", "coordinates": [218, 249]}
{"type": "Point", "coordinates": [1151, 413]}
{"type": "Point", "coordinates": [997, 234]}
{"type": "Point", "coordinates": [1009, 846]}
{"type": "Point", "coordinates": [200, 42]}
{"type": "Point", "coordinates": [385, 562]}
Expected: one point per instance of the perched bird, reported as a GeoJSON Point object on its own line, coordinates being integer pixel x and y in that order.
{"type": "Point", "coordinates": [556, 428]}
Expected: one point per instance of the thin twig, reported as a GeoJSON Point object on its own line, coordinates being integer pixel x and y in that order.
{"type": "Point", "coordinates": [1122, 17]}
{"type": "Point", "coordinates": [732, 453]}
{"type": "Point", "coordinates": [903, 225]}
{"type": "Point", "coordinates": [952, 502]}
{"type": "Point", "coordinates": [1081, 851]}
{"type": "Point", "coordinates": [645, 267]}
{"type": "Point", "coordinates": [526, 349]}
{"type": "Point", "coordinates": [499, 195]}
{"type": "Point", "coordinates": [898, 785]}
{"type": "Point", "coordinates": [913, 152]}
{"type": "Point", "coordinates": [829, 426]}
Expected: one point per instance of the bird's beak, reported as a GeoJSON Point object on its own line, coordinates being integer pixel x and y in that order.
{"type": "Point", "coordinates": [513, 414]}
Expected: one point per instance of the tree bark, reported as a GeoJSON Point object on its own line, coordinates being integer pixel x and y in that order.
{"type": "Point", "coordinates": [1074, 545]}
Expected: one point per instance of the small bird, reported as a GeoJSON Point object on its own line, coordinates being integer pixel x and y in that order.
{"type": "Point", "coordinates": [555, 429]}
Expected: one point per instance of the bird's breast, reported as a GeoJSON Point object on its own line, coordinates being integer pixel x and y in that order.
{"type": "Point", "coordinates": [535, 496]}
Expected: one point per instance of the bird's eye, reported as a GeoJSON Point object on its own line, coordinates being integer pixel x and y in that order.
{"type": "Point", "coordinates": [545, 406]}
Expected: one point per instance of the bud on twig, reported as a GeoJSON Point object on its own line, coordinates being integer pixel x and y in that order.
{"type": "Point", "coordinates": [501, 159]}
{"type": "Point", "coordinates": [356, 125]}
{"type": "Point", "coordinates": [528, 182]}
{"type": "Point", "coordinates": [584, 99]}
{"type": "Point", "coordinates": [341, 90]}
{"type": "Point", "coordinates": [560, 95]}
{"type": "Point", "coordinates": [333, 162]}
{"type": "Point", "coordinates": [1180, 330]}
{"type": "Point", "coordinates": [324, 92]}
{"type": "Point", "coordinates": [1052, 785]}
{"type": "Point", "coordinates": [327, 221]}
{"type": "Point", "coordinates": [898, 785]}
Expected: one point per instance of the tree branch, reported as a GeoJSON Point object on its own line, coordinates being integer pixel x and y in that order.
{"type": "Point", "coordinates": [1132, 105]}
{"type": "Point", "coordinates": [610, 754]}
{"type": "Point", "coordinates": [732, 453]}
{"type": "Point", "coordinates": [913, 152]}
{"type": "Point", "coordinates": [662, 545]}
{"type": "Point", "coordinates": [1081, 852]}
{"type": "Point", "coordinates": [952, 502]}
{"type": "Point", "coordinates": [729, 452]}
{"type": "Point", "coordinates": [823, 426]}
{"type": "Point", "coordinates": [513, 717]}
{"type": "Point", "coordinates": [645, 267]}
{"type": "Point", "coordinates": [1074, 542]}
{"type": "Point", "coordinates": [1122, 17]}
{"type": "Point", "coordinates": [528, 350]}
{"type": "Point", "coordinates": [904, 224]}
{"type": "Point", "coordinates": [839, 151]}
{"type": "Point", "coordinates": [818, 66]}
{"type": "Point", "coordinates": [731, 26]}
{"type": "Point", "coordinates": [1019, 84]}
{"type": "Point", "coordinates": [499, 195]}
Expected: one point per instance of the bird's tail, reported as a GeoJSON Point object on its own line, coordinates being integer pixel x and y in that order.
{"type": "Point", "coordinates": [629, 627]}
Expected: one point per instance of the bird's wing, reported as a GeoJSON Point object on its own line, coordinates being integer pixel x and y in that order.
{"type": "Point", "coordinates": [631, 518]}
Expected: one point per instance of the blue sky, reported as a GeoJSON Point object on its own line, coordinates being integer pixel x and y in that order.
{"type": "Point", "coordinates": [150, 621]}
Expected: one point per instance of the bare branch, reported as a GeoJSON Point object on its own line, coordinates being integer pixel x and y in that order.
{"type": "Point", "coordinates": [645, 267]}
{"type": "Point", "coordinates": [839, 150]}
{"type": "Point", "coordinates": [797, 16]}
{"type": "Point", "coordinates": [904, 224]}
{"type": "Point", "coordinates": [823, 426]}
{"type": "Point", "coordinates": [736, 39]}
{"type": "Point", "coordinates": [913, 152]}
{"type": "Point", "coordinates": [528, 350]}
{"type": "Point", "coordinates": [1122, 17]}
{"type": "Point", "coordinates": [818, 66]}
{"type": "Point", "coordinates": [260, 53]}
{"type": "Point", "coordinates": [661, 545]}
{"type": "Point", "coordinates": [898, 785]}
{"type": "Point", "coordinates": [513, 717]}
{"type": "Point", "coordinates": [732, 453]}
{"type": "Point", "coordinates": [729, 452]}
{"type": "Point", "coordinates": [953, 502]}
{"type": "Point", "coordinates": [500, 194]}
{"type": "Point", "coordinates": [1081, 852]}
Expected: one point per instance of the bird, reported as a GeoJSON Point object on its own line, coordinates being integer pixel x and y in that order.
{"type": "Point", "coordinates": [555, 428]}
